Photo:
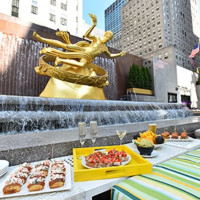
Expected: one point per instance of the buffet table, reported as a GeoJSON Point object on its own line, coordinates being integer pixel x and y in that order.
{"type": "Point", "coordinates": [87, 189]}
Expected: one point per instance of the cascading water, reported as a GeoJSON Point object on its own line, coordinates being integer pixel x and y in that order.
{"type": "Point", "coordinates": [109, 65]}
{"type": "Point", "coordinates": [22, 114]}
{"type": "Point", "coordinates": [18, 57]}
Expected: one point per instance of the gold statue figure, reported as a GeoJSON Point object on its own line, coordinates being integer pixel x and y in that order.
{"type": "Point", "coordinates": [77, 77]}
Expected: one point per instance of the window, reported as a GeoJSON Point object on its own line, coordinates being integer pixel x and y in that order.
{"type": "Point", "coordinates": [52, 18]}
{"type": "Point", "coordinates": [63, 6]}
{"type": "Point", "coordinates": [15, 8]}
{"type": "Point", "coordinates": [166, 55]}
{"type": "Point", "coordinates": [53, 2]}
{"type": "Point", "coordinates": [34, 9]}
{"type": "Point", "coordinates": [172, 98]}
{"type": "Point", "coordinates": [63, 21]}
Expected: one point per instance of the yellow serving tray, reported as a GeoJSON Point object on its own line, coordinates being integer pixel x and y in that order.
{"type": "Point", "coordinates": [137, 165]}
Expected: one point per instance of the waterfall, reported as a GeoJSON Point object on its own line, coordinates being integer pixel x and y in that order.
{"type": "Point", "coordinates": [25, 114]}
{"type": "Point", "coordinates": [110, 66]}
{"type": "Point", "coordinates": [18, 58]}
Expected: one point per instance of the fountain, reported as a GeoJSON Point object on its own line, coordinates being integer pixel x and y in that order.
{"type": "Point", "coordinates": [35, 128]}
{"type": "Point", "coordinates": [23, 114]}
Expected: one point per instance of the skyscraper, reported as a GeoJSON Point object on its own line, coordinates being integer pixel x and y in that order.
{"type": "Point", "coordinates": [113, 22]}
{"type": "Point", "coordinates": [152, 27]}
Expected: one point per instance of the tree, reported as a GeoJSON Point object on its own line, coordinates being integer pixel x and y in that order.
{"type": "Point", "coordinates": [139, 77]}
{"type": "Point", "coordinates": [149, 79]}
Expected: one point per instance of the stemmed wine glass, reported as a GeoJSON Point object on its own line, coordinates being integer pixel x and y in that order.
{"type": "Point", "coordinates": [82, 134]}
{"type": "Point", "coordinates": [121, 134]}
{"type": "Point", "coordinates": [93, 131]}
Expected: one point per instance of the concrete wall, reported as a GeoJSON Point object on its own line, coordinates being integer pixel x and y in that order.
{"type": "Point", "coordinates": [186, 82]}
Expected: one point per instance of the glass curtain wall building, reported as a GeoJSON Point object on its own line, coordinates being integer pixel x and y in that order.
{"type": "Point", "coordinates": [113, 22]}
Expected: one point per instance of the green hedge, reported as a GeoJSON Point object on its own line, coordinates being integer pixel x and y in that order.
{"type": "Point", "coordinates": [139, 77]}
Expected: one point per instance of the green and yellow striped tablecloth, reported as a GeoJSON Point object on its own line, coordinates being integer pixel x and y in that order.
{"type": "Point", "coordinates": [176, 179]}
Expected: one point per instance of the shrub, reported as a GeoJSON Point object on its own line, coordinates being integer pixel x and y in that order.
{"type": "Point", "coordinates": [139, 77]}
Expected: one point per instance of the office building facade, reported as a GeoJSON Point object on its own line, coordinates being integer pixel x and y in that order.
{"type": "Point", "coordinates": [113, 22]}
{"type": "Point", "coordinates": [56, 14]}
{"type": "Point", "coordinates": [151, 26]}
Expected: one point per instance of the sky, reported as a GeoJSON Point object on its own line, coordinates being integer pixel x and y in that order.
{"type": "Point", "coordinates": [96, 7]}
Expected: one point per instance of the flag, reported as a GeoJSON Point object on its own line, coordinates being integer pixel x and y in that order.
{"type": "Point", "coordinates": [192, 61]}
{"type": "Point", "coordinates": [194, 51]}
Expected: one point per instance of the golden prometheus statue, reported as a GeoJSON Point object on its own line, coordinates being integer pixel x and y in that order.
{"type": "Point", "coordinates": [73, 74]}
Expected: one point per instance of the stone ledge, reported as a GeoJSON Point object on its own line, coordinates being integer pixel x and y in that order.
{"type": "Point", "coordinates": [31, 147]}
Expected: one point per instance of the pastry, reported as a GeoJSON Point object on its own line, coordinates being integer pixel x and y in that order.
{"type": "Point", "coordinates": [38, 174]}
{"type": "Point", "coordinates": [26, 165]}
{"type": "Point", "coordinates": [43, 163]}
{"type": "Point", "coordinates": [54, 166]}
{"type": "Point", "coordinates": [57, 170]}
{"type": "Point", "coordinates": [23, 170]}
{"type": "Point", "coordinates": [165, 135]}
{"type": "Point", "coordinates": [43, 169]}
{"type": "Point", "coordinates": [36, 184]}
{"type": "Point", "coordinates": [174, 135]}
{"type": "Point", "coordinates": [184, 135]}
{"type": "Point", "coordinates": [57, 162]}
{"type": "Point", "coordinates": [13, 185]}
{"type": "Point", "coordinates": [20, 175]}
{"type": "Point", "coordinates": [56, 180]}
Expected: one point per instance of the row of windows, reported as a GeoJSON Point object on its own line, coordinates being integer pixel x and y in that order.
{"type": "Point", "coordinates": [125, 13]}
{"type": "Point", "coordinates": [34, 7]}
{"type": "Point", "coordinates": [63, 21]}
{"type": "Point", "coordinates": [142, 51]}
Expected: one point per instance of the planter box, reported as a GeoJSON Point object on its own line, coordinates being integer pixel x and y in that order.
{"type": "Point", "coordinates": [139, 91]}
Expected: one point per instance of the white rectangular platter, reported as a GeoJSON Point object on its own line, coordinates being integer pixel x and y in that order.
{"type": "Point", "coordinates": [24, 191]}
{"type": "Point", "coordinates": [189, 139]}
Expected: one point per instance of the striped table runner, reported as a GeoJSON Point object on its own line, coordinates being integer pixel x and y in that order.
{"type": "Point", "coordinates": [176, 179]}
